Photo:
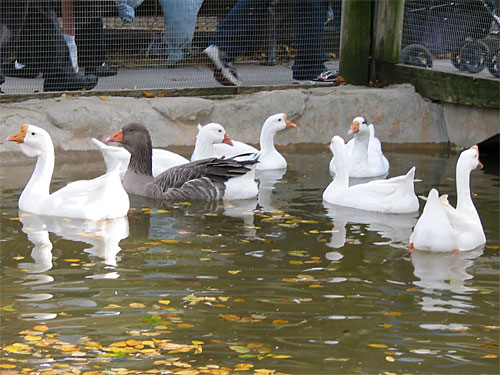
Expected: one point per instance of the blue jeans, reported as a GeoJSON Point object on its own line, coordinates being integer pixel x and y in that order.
{"type": "Point", "coordinates": [180, 22]}
{"type": "Point", "coordinates": [309, 18]}
{"type": "Point", "coordinates": [236, 34]}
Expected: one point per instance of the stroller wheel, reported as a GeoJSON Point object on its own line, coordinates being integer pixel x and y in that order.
{"type": "Point", "coordinates": [473, 55]}
{"type": "Point", "coordinates": [416, 55]}
{"type": "Point", "coordinates": [456, 59]}
{"type": "Point", "coordinates": [493, 62]}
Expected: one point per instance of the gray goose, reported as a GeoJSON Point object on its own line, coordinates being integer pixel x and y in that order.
{"type": "Point", "coordinates": [199, 180]}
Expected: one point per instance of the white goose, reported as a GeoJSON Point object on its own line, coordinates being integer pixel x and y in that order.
{"type": "Point", "coordinates": [395, 195]}
{"type": "Point", "coordinates": [100, 198]}
{"type": "Point", "coordinates": [114, 156]}
{"type": "Point", "coordinates": [209, 137]}
{"type": "Point", "coordinates": [444, 228]}
{"type": "Point", "coordinates": [269, 157]}
{"type": "Point", "coordinates": [365, 152]}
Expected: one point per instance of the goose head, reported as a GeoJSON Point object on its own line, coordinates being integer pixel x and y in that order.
{"type": "Point", "coordinates": [469, 159]}
{"type": "Point", "coordinates": [359, 127]}
{"type": "Point", "coordinates": [278, 122]}
{"type": "Point", "coordinates": [34, 141]}
{"type": "Point", "coordinates": [134, 137]}
{"type": "Point", "coordinates": [213, 133]}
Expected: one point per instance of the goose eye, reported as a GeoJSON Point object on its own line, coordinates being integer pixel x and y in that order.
{"type": "Point", "coordinates": [279, 119]}
{"type": "Point", "coordinates": [32, 133]}
{"type": "Point", "coordinates": [364, 122]}
{"type": "Point", "coordinates": [220, 131]}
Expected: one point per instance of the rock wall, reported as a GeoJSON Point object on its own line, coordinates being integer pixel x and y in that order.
{"type": "Point", "coordinates": [401, 117]}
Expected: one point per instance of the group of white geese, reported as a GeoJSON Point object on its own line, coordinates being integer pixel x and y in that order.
{"type": "Point", "coordinates": [221, 168]}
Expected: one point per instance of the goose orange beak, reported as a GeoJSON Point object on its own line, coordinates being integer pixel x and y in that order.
{"type": "Point", "coordinates": [288, 123]}
{"type": "Point", "coordinates": [354, 127]}
{"type": "Point", "coordinates": [118, 137]}
{"type": "Point", "coordinates": [19, 137]}
{"type": "Point", "coordinates": [479, 164]}
{"type": "Point", "coordinates": [227, 140]}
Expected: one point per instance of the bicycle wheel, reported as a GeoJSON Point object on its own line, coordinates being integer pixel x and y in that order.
{"type": "Point", "coordinates": [473, 55]}
{"type": "Point", "coordinates": [416, 55]}
{"type": "Point", "coordinates": [493, 62]}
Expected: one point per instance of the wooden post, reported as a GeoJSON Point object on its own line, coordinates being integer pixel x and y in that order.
{"type": "Point", "coordinates": [387, 30]}
{"type": "Point", "coordinates": [355, 41]}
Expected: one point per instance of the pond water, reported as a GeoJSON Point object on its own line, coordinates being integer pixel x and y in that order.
{"type": "Point", "coordinates": [278, 285]}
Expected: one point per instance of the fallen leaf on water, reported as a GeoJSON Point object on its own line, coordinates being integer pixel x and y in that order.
{"type": "Point", "coordinates": [40, 328]}
{"type": "Point", "coordinates": [492, 327]}
{"type": "Point", "coordinates": [243, 367]}
{"type": "Point", "coordinates": [170, 241]}
{"type": "Point", "coordinates": [230, 317]}
{"type": "Point", "coordinates": [72, 260]}
{"type": "Point", "coordinates": [378, 346]}
{"type": "Point", "coordinates": [136, 305]}
{"type": "Point", "coordinates": [7, 365]}
{"type": "Point", "coordinates": [239, 348]}
{"type": "Point", "coordinates": [390, 358]}
{"type": "Point", "coordinates": [148, 94]}
{"type": "Point", "coordinates": [234, 272]}
{"type": "Point", "coordinates": [490, 356]}
{"type": "Point", "coordinates": [185, 325]}
{"type": "Point", "coordinates": [385, 325]}
{"type": "Point", "coordinates": [336, 359]}
{"type": "Point", "coordinates": [280, 321]}
{"type": "Point", "coordinates": [164, 301]}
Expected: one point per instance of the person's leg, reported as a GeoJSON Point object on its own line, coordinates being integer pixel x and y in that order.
{"type": "Point", "coordinates": [309, 17]}
{"type": "Point", "coordinates": [89, 35]}
{"type": "Point", "coordinates": [49, 50]}
{"type": "Point", "coordinates": [236, 34]}
{"type": "Point", "coordinates": [180, 23]}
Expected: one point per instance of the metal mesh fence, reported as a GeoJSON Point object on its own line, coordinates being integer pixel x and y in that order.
{"type": "Point", "coordinates": [58, 45]}
{"type": "Point", "coordinates": [458, 35]}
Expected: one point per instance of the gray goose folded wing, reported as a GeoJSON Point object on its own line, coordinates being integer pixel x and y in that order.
{"type": "Point", "coordinates": [202, 179]}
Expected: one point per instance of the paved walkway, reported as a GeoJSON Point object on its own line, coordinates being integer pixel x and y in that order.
{"type": "Point", "coordinates": [252, 74]}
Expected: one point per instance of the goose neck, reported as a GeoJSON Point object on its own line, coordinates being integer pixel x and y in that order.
{"type": "Point", "coordinates": [267, 139]}
{"type": "Point", "coordinates": [141, 161]}
{"type": "Point", "coordinates": [38, 187]}
{"type": "Point", "coordinates": [464, 199]}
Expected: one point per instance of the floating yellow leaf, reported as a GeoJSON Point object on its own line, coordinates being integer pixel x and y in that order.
{"type": "Point", "coordinates": [296, 262]}
{"type": "Point", "coordinates": [104, 98]}
{"type": "Point", "coordinates": [390, 358]}
{"type": "Point", "coordinates": [40, 328]}
{"type": "Point", "coordinates": [230, 317]}
{"type": "Point", "coordinates": [148, 94]}
{"type": "Point", "coordinates": [239, 348]}
{"type": "Point", "coordinates": [492, 327]}
{"type": "Point", "coordinates": [280, 321]}
{"type": "Point", "coordinates": [289, 280]}
{"type": "Point", "coordinates": [170, 241]}
{"type": "Point", "coordinates": [282, 356]}
{"type": "Point", "coordinates": [7, 365]}
{"type": "Point", "coordinates": [494, 247]}
{"type": "Point", "coordinates": [33, 338]}
{"type": "Point", "coordinates": [164, 301]}
{"type": "Point", "coordinates": [234, 272]}
{"type": "Point", "coordinates": [8, 308]}
{"type": "Point", "coordinates": [185, 325]}
{"type": "Point", "coordinates": [490, 356]}
{"type": "Point", "coordinates": [243, 367]}
{"type": "Point", "coordinates": [383, 346]}
{"type": "Point", "coordinates": [263, 371]}
{"type": "Point", "coordinates": [385, 325]}
{"type": "Point", "coordinates": [137, 305]}
{"type": "Point", "coordinates": [316, 286]}
{"type": "Point", "coordinates": [196, 342]}
{"type": "Point", "coordinates": [15, 218]}
{"type": "Point", "coordinates": [336, 359]}
{"type": "Point", "coordinates": [393, 313]}
{"type": "Point", "coordinates": [72, 260]}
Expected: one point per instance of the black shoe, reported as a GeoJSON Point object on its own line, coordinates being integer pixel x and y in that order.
{"type": "Point", "coordinates": [224, 72]}
{"type": "Point", "coordinates": [10, 70]}
{"type": "Point", "coordinates": [104, 70]}
{"type": "Point", "coordinates": [69, 82]}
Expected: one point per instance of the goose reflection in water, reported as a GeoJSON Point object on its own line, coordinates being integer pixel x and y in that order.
{"type": "Point", "coordinates": [103, 236]}
{"type": "Point", "coordinates": [444, 271]}
{"type": "Point", "coordinates": [267, 180]}
{"type": "Point", "coordinates": [395, 227]}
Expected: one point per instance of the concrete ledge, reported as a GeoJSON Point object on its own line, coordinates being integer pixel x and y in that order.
{"type": "Point", "coordinates": [401, 116]}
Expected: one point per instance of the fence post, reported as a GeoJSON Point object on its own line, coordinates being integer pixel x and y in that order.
{"type": "Point", "coordinates": [355, 41]}
{"type": "Point", "coordinates": [387, 30]}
